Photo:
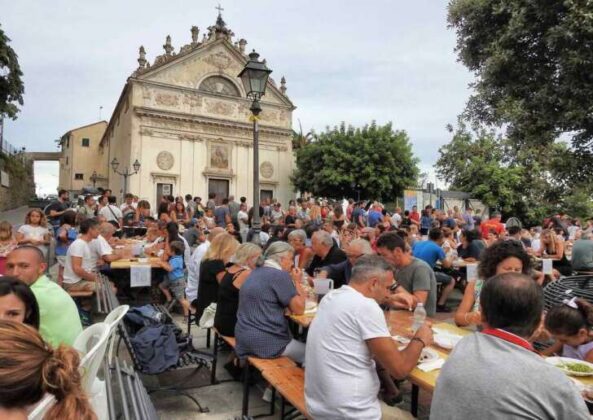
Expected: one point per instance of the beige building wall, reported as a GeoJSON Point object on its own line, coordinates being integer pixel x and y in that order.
{"type": "Point", "coordinates": [78, 162]}
{"type": "Point", "coordinates": [186, 120]}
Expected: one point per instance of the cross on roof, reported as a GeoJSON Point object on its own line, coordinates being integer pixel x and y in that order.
{"type": "Point", "coordinates": [220, 9]}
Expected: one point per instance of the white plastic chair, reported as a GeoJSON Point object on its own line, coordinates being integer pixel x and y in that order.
{"type": "Point", "coordinates": [40, 411]}
{"type": "Point", "coordinates": [112, 319]}
{"type": "Point", "coordinates": [322, 286]}
{"type": "Point", "coordinates": [92, 344]}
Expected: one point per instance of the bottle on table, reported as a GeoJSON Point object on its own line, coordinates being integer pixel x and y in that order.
{"type": "Point", "coordinates": [419, 317]}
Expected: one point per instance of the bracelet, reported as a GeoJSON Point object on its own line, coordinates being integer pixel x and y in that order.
{"type": "Point", "coordinates": [418, 339]}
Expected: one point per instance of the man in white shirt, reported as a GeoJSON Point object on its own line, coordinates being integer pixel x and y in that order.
{"type": "Point", "coordinates": [349, 331]}
{"type": "Point", "coordinates": [243, 219]}
{"type": "Point", "coordinates": [193, 268]}
{"type": "Point", "coordinates": [396, 219]}
{"type": "Point", "coordinates": [101, 251]}
{"type": "Point", "coordinates": [111, 212]}
{"type": "Point", "coordinates": [79, 270]}
{"type": "Point", "coordinates": [128, 205]}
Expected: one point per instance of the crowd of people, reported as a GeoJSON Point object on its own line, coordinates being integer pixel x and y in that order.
{"type": "Point", "coordinates": [377, 261]}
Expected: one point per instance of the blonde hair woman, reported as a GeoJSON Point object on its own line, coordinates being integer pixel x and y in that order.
{"type": "Point", "coordinates": [7, 244]}
{"type": "Point", "coordinates": [212, 269]}
{"type": "Point", "coordinates": [34, 231]}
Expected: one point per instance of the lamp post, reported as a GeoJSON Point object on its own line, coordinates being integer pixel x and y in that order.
{"type": "Point", "coordinates": [126, 173]}
{"type": "Point", "coordinates": [255, 79]}
{"type": "Point", "coordinates": [94, 178]}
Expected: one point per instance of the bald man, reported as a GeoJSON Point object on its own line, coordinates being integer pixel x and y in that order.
{"type": "Point", "coordinates": [59, 319]}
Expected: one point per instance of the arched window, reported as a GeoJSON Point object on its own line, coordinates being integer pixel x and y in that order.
{"type": "Point", "coordinates": [220, 85]}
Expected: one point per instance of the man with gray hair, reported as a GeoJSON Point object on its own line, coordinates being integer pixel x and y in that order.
{"type": "Point", "coordinates": [349, 331]}
{"type": "Point", "coordinates": [326, 252]}
{"type": "Point", "coordinates": [341, 272]}
{"type": "Point", "coordinates": [582, 253]}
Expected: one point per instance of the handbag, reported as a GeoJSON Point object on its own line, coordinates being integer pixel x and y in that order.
{"type": "Point", "coordinates": [207, 319]}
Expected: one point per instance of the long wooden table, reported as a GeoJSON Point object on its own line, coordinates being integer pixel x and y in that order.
{"type": "Point", "coordinates": [127, 263]}
{"type": "Point", "coordinates": [400, 323]}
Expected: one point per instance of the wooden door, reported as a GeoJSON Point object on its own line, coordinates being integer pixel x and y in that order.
{"type": "Point", "coordinates": [220, 187]}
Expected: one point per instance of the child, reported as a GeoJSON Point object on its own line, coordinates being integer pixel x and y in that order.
{"type": "Point", "coordinates": [570, 323]}
{"type": "Point", "coordinates": [175, 282]}
{"type": "Point", "coordinates": [66, 234]}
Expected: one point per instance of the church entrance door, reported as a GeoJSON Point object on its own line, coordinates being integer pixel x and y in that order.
{"type": "Point", "coordinates": [163, 189]}
{"type": "Point", "coordinates": [220, 187]}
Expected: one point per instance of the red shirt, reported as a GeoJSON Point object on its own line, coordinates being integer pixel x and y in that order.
{"type": "Point", "coordinates": [414, 215]}
{"type": "Point", "coordinates": [491, 224]}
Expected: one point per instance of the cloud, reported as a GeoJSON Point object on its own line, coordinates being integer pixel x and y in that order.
{"type": "Point", "coordinates": [343, 60]}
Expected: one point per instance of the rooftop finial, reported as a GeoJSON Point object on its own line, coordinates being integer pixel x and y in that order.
{"type": "Point", "coordinates": [283, 85]}
{"type": "Point", "coordinates": [141, 57]}
{"type": "Point", "coordinates": [168, 47]}
{"type": "Point", "coordinates": [195, 32]}
{"type": "Point", "coordinates": [242, 43]}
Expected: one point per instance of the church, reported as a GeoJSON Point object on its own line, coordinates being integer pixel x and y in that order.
{"type": "Point", "coordinates": [185, 118]}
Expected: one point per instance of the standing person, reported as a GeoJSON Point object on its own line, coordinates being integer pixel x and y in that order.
{"type": "Point", "coordinates": [492, 223]}
{"type": "Point", "coordinates": [234, 208]}
{"type": "Point", "coordinates": [425, 222]}
{"type": "Point", "coordinates": [519, 383]}
{"type": "Point", "coordinates": [7, 244]}
{"type": "Point", "coordinates": [112, 213]}
{"type": "Point", "coordinates": [199, 208]}
{"type": "Point", "coordinates": [57, 208]}
{"type": "Point", "coordinates": [350, 331]}
{"type": "Point", "coordinates": [412, 274]}
{"type": "Point", "coordinates": [31, 369]}
{"type": "Point", "coordinates": [65, 236]}
{"type": "Point", "coordinates": [79, 273]}
{"type": "Point", "coordinates": [415, 216]}
{"type": "Point", "coordinates": [190, 205]}
{"type": "Point", "coordinates": [375, 216]}
{"type": "Point", "coordinates": [59, 321]}
{"type": "Point", "coordinates": [89, 207]}
{"type": "Point", "coordinates": [211, 203]}
{"type": "Point", "coordinates": [396, 218]}
{"type": "Point", "coordinates": [468, 219]}
{"type": "Point", "coordinates": [222, 214]}
{"type": "Point", "coordinates": [175, 283]}
{"type": "Point", "coordinates": [128, 209]}
{"type": "Point", "coordinates": [243, 220]}
{"type": "Point", "coordinates": [34, 231]}
{"type": "Point", "coordinates": [103, 202]}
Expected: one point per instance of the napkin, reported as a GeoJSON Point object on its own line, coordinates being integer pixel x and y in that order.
{"type": "Point", "coordinates": [432, 365]}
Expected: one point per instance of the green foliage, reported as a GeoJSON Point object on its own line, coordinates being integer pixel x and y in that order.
{"type": "Point", "coordinates": [376, 160]}
{"type": "Point", "coordinates": [533, 63]}
{"type": "Point", "coordinates": [22, 186]}
{"type": "Point", "coordinates": [529, 182]}
{"type": "Point", "coordinates": [300, 139]}
{"type": "Point", "coordinates": [11, 85]}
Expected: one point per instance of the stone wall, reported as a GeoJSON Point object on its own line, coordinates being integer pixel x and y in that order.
{"type": "Point", "coordinates": [22, 185]}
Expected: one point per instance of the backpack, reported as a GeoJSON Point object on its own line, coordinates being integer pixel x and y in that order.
{"type": "Point", "coordinates": [156, 348]}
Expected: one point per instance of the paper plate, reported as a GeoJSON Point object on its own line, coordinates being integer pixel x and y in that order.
{"type": "Point", "coordinates": [447, 341]}
{"type": "Point", "coordinates": [561, 362]}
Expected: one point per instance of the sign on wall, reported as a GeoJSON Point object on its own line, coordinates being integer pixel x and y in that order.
{"type": "Point", "coordinates": [4, 179]}
{"type": "Point", "coordinates": [410, 199]}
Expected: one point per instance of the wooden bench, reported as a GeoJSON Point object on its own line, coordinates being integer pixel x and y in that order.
{"type": "Point", "coordinates": [289, 382]}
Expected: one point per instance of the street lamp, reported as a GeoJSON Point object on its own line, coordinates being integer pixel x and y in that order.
{"type": "Point", "coordinates": [255, 79]}
{"type": "Point", "coordinates": [126, 173]}
{"type": "Point", "coordinates": [94, 178]}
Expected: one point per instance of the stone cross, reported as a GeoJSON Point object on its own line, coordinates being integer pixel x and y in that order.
{"type": "Point", "coordinates": [220, 9]}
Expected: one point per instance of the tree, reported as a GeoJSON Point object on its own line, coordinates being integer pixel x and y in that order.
{"type": "Point", "coordinates": [375, 161]}
{"type": "Point", "coordinates": [11, 85]}
{"type": "Point", "coordinates": [528, 182]}
{"type": "Point", "coordinates": [533, 63]}
{"type": "Point", "coordinates": [299, 139]}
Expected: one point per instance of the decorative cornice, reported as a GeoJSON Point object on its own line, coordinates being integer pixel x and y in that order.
{"type": "Point", "coordinates": [175, 116]}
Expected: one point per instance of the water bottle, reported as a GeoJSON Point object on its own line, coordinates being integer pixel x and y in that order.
{"type": "Point", "coordinates": [142, 253]}
{"type": "Point", "coordinates": [419, 317]}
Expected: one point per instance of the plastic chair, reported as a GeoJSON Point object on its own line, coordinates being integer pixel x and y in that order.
{"type": "Point", "coordinates": [322, 286]}
{"type": "Point", "coordinates": [92, 343]}
{"type": "Point", "coordinates": [112, 319]}
{"type": "Point", "coordinates": [40, 411]}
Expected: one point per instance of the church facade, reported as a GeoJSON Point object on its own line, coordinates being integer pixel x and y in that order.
{"type": "Point", "coordinates": [186, 119]}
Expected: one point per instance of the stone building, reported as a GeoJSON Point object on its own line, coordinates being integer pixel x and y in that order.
{"type": "Point", "coordinates": [186, 119]}
{"type": "Point", "coordinates": [80, 158]}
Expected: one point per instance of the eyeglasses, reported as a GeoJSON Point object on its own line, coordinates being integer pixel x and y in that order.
{"type": "Point", "coordinates": [354, 256]}
{"type": "Point", "coordinates": [393, 286]}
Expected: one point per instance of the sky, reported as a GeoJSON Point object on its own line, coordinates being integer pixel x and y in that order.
{"type": "Point", "coordinates": [344, 60]}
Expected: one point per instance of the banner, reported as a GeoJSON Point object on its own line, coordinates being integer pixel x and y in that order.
{"type": "Point", "coordinates": [410, 199]}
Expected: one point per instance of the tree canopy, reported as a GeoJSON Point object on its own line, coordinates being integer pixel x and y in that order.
{"type": "Point", "coordinates": [11, 85]}
{"type": "Point", "coordinates": [373, 160]}
{"type": "Point", "coordinates": [533, 63]}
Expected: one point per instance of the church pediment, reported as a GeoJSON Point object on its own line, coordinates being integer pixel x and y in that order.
{"type": "Point", "coordinates": [212, 67]}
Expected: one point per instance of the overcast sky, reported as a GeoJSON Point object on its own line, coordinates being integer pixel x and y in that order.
{"type": "Point", "coordinates": [344, 60]}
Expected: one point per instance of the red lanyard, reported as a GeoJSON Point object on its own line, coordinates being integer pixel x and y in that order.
{"type": "Point", "coordinates": [511, 338]}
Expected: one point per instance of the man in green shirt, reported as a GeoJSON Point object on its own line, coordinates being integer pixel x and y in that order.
{"type": "Point", "coordinates": [59, 319]}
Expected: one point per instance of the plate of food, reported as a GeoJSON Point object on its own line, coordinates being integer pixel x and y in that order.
{"type": "Point", "coordinates": [428, 355]}
{"type": "Point", "coordinates": [573, 367]}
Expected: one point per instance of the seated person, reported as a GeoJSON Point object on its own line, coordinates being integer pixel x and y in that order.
{"type": "Point", "coordinates": [325, 250]}
{"type": "Point", "coordinates": [340, 273]}
{"type": "Point", "coordinates": [17, 302]}
{"type": "Point", "coordinates": [582, 253]}
{"type": "Point", "coordinates": [570, 323]}
{"type": "Point", "coordinates": [413, 274]}
{"type": "Point", "coordinates": [502, 257]}
{"type": "Point", "coordinates": [430, 252]}
{"type": "Point", "coordinates": [58, 315]}
{"type": "Point", "coordinates": [348, 332]}
{"type": "Point", "coordinates": [262, 327]}
{"type": "Point", "coordinates": [302, 253]}
{"type": "Point", "coordinates": [500, 364]}
{"type": "Point", "coordinates": [31, 369]}
{"type": "Point", "coordinates": [471, 246]}
{"type": "Point", "coordinates": [79, 270]}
